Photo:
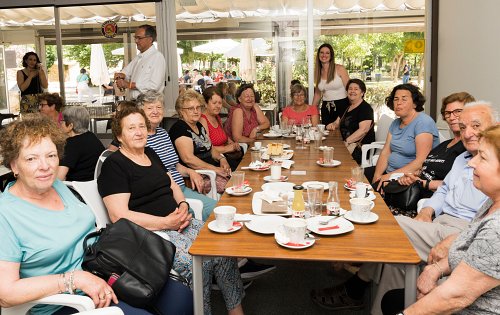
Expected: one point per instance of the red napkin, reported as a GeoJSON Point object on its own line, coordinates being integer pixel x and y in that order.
{"type": "Point", "coordinates": [296, 244]}
{"type": "Point", "coordinates": [328, 228]}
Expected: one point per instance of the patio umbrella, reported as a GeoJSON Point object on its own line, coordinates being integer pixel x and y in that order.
{"type": "Point", "coordinates": [219, 46]}
{"type": "Point", "coordinates": [99, 72]}
{"type": "Point", "coordinates": [248, 70]}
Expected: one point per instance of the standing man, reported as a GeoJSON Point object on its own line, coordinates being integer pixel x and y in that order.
{"type": "Point", "coordinates": [147, 70]}
{"type": "Point", "coordinates": [406, 73]}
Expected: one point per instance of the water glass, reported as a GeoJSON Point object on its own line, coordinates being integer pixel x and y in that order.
{"type": "Point", "coordinates": [315, 199]}
{"type": "Point", "coordinates": [255, 155]}
{"type": "Point", "coordinates": [328, 155]}
{"type": "Point", "coordinates": [357, 174]}
{"type": "Point", "coordinates": [318, 139]}
{"type": "Point", "coordinates": [238, 179]}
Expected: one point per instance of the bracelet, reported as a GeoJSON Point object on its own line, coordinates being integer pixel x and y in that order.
{"type": "Point", "coordinates": [61, 276]}
{"type": "Point", "coordinates": [440, 270]}
{"type": "Point", "coordinates": [71, 282]}
{"type": "Point", "coordinates": [183, 201]}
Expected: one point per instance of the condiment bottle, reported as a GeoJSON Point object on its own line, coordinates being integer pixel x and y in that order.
{"type": "Point", "coordinates": [333, 201]}
{"type": "Point", "coordinates": [298, 204]}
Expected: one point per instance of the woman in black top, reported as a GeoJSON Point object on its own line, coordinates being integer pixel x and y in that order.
{"type": "Point", "coordinates": [440, 160]}
{"type": "Point", "coordinates": [31, 80]}
{"type": "Point", "coordinates": [356, 123]}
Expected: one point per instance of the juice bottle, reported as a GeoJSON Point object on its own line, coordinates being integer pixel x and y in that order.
{"type": "Point", "coordinates": [298, 204]}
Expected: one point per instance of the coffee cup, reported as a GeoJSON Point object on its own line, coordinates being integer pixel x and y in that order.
{"type": "Point", "coordinates": [295, 230]}
{"type": "Point", "coordinates": [361, 190]}
{"type": "Point", "coordinates": [257, 145]}
{"type": "Point", "coordinates": [275, 171]}
{"type": "Point", "coordinates": [361, 208]}
{"type": "Point", "coordinates": [224, 217]}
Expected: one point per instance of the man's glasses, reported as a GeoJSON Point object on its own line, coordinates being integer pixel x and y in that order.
{"type": "Point", "coordinates": [457, 112]}
{"type": "Point", "coordinates": [193, 109]}
{"type": "Point", "coordinates": [136, 38]}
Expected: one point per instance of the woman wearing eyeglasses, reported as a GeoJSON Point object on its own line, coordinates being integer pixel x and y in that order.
{"type": "Point", "coordinates": [50, 105]}
{"type": "Point", "coordinates": [192, 142]}
{"type": "Point", "coordinates": [246, 119]}
{"type": "Point", "coordinates": [439, 161]}
{"type": "Point", "coordinates": [299, 109]}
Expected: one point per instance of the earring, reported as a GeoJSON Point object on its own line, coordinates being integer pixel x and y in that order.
{"type": "Point", "coordinates": [16, 175]}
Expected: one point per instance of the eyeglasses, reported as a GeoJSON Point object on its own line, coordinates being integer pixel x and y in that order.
{"type": "Point", "coordinates": [193, 109]}
{"type": "Point", "coordinates": [457, 112]}
{"type": "Point", "coordinates": [299, 95]}
{"type": "Point", "coordinates": [43, 104]}
{"type": "Point", "coordinates": [136, 38]}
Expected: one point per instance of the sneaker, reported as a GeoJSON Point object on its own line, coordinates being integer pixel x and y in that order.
{"type": "Point", "coordinates": [335, 299]}
{"type": "Point", "coordinates": [252, 270]}
{"type": "Point", "coordinates": [246, 284]}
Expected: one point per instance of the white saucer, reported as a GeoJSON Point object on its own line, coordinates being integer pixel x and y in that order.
{"type": "Point", "coordinates": [373, 217]}
{"type": "Point", "coordinates": [265, 224]}
{"type": "Point", "coordinates": [278, 186]}
{"type": "Point", "coordinates": [341, 226]}
{"type": "Point", "coordinates": [212, 226]}
{"type": "Point", "coordinates": [283, 178]}
{"type": "Point", "coordinates": [255, 149]}
{"type": "Point", "coordinates": [371, 195]}
{"type": "Point", "coordinates": [354, 189]}
{"type": "Point", "coordinates": [246, 191]}
{"type": "Point", "coordinates": [292, 135]}
{"type": "Point", "coordinates": [325, 184]}
{"type": "Point", "coordinates": [307, 243]}
{"type": "Point", "coordinates": [272, 135]}
{"type": "Point", "coordinates": [334, 164]}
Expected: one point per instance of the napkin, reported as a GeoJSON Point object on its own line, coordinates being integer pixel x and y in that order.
{"type": "Point", "coordinates": [270, 196]}
{"type": "Point", "coordinates": [286, 164]}
{"type": "Point", "coordinates": [333, 227]}
{"type": "Point", "coordinates": [273, 202]}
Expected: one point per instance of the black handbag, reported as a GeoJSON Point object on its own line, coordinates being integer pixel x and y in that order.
{"type": "Point", "coordinates": [133, 260]}
{"type": "Point", "coordinates": [402, 197]}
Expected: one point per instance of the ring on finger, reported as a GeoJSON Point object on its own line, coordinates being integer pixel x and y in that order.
{"type": "Point", "coordinates": [102, 298]}
{"type": "Point", "coordinates": [107, 292]}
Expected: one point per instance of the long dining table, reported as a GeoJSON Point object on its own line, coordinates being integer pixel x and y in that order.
{"type": "Point", "coordinates": [379, 242]}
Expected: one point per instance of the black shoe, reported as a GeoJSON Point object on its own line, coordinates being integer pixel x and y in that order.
{"type": "Point", "coordinates": [335, 299]}
{"type": "Point", "coordinates": [252, 270]}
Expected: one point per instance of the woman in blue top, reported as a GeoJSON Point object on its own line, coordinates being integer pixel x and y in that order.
{"type": "Point", "coordinates": [411, 136]}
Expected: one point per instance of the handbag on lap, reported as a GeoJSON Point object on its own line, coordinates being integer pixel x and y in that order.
{"type": "Point", "coordinates": [133, 260]}
{"type": "Point", "coordinates": [404, 198]}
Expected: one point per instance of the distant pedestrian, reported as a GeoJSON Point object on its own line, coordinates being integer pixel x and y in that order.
{"type": "Point", "coordinates": [82, 86]}
{"type": "Point", "coordinates": [406, 73]}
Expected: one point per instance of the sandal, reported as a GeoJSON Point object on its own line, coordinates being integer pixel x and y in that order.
{"type": "Point", "coordinates": [335, 298]}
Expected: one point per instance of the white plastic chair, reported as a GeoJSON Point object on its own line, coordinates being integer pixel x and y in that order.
{"type": "Point", "coordinates": [82, 304]}
{"type": "Point", "coordinates": [369, 152]}
{"type": "Point", "coordinates": [213, 185]}
{"type": "Point", "coordinates": [101, 159]}
{"type": "Point", "coordinates": [420, 204]}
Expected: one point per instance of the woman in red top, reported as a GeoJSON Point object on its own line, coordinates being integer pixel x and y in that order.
{"type": "Point", "coordinates": [211, 120]}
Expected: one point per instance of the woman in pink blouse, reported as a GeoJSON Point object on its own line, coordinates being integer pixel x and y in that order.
{"type": "Point", "coordinates": [299, 110]}
{"type": "Point", "coordinates": [211, 120]}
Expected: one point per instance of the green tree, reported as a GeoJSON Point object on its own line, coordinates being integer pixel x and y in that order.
{"type": "Point", "coordinates": [81, 54]}
{"type": "Point", "coordinates": [51, 55]}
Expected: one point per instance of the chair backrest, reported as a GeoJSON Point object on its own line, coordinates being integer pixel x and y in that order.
{"type": "Point", "coordinates": [90, 195]}
{"type": "Point", "coordinates": [104, 155]}
{"type": "Point", "coordinates": [383, 124]}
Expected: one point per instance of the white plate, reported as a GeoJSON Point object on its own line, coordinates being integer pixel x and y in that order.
{"type": "Point", "coordinates": [325, 184]}
{"type": "Point", "coordinates": [344, 226]}
{"type": "Point", "coordinates": [212, 226]}
{"type": "Point", "coordinates": [334, 164]}
{"type": "Point", "coordinates": [257, 206]}
{"type": "Point", "coordinates": [371, 195]}
{"type": "Point", "coordinates": [287, 155]}
{"type": "Point", "coordinates": [283, 178]}
{"type": "Point", "coordinates": [354, 189]}
{"type": "Point", "coordinates": [307, 243]}
{"type": "Point", "coordinates": [272, 135]}
{"type": "Point", "coordinates": [265, 224]}
{"type": "Point", "coordinates": [373, 217]}
{"type": "Point", "coordinates": [278, 186]}
{"type": "Point", "coordinates": [246, 191]}
{"type": "Point", "coordinates": [292, 135]}
{"type": "Point", "coordinates": [259, 169]}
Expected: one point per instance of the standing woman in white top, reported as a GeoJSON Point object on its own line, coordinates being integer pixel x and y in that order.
{"type": "Point", "coordinates": [330, 86]}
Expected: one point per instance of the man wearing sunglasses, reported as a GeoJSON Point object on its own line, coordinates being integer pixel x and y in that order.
{"type": "Point", "coordinates": [147, 70]}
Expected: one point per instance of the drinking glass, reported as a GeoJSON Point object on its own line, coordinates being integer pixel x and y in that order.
{"type": "Point", "coordinates": [315, 199]}
{"type": "Point", "coordinates": [238, 180]}
{"type": "Point", "coordinates": [357, 175]}
{"type": "Point", "coordinates": [299, 138]}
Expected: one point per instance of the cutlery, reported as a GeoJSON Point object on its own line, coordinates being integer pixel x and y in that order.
{"type": "Point", "coordinates": [325, 222]}
{"type": "Point", "coordinates": [243, 220]}
{"type": "Point", "coordinates": [312, 237]}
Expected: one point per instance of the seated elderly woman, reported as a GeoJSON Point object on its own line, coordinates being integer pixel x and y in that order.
{"type": "Point", "coordinates": [212, 123]}
{"type": "Point", "coordinates": [356, 123]}
{"type": "Point", "coordinates": [471, 264]}
{"type": "Point", "coordinates": [82, 148]}
{"type": "Point", "coordinates": [299, 111]}
{"type": "Point", "coordinates": [50, 105]}
{"type": "Point", "coordinates": [410, 139]}
{"type": "Point", "coordinates": [246, 119]}
{"type": "Point", "coordinates": [135, 185]}
{"type": "Point", "coordinates": [439, 161]}
{"type": "Point", "coordinates": [43, 226]}
{"type": "Point", "coordinates": [192, 142]}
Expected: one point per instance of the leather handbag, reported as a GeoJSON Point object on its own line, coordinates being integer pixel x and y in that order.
{"type": "Point", "coordinates": [133, 260]}
{"type": "Point", "coordinates": [402, 197]}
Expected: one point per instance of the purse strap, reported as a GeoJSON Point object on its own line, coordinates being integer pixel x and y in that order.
{"type": "Point", "coordinates": [89, 236]}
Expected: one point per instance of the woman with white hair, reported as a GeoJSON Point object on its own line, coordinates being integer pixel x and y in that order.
{"type": "Point", "coordinates": [82, 148]}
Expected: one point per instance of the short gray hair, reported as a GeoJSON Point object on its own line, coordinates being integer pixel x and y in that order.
{"type": "Point", "coordinates": [149, 96]}
{"type": "Point", "coordinates": [495, 116]}
{"type": "Point", "coordinates": [78, 116]}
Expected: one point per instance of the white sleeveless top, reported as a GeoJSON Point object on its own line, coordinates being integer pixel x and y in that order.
{"type": "Point", "coordinates": [333, 90]}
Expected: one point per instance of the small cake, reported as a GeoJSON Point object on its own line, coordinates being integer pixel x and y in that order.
{"type": "Point", "coordinates": [275, 149]}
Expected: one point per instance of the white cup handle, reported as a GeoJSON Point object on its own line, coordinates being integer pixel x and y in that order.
{"type": "Point", "coordinates": [373, 205]}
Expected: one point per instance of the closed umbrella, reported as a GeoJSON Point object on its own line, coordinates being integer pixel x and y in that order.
{"type": "Point", "coordinates": [98, 69]}
{"type": "Point", "coordinates": [248, 71]}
